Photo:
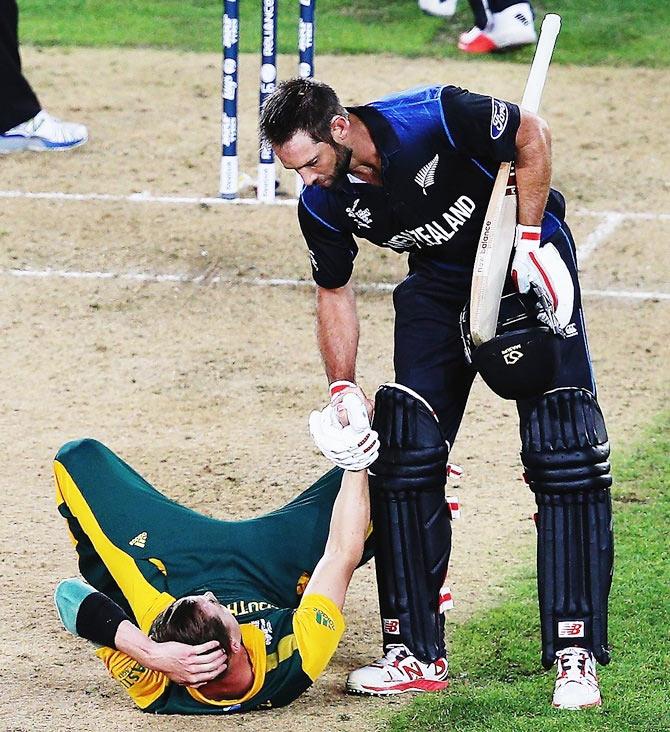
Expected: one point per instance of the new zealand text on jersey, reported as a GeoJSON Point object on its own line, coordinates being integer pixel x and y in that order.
{"type": "Point", "coordinates": [435, 232]}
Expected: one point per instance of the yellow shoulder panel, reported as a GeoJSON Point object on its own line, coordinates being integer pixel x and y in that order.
{"type": "Point", "coordinates": [318, 625]}
{"type": "Point", "coordinates": [143, 685]}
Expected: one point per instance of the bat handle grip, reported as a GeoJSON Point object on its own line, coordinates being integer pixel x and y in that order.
{"type": "Point", "coordinates": [551, 26]}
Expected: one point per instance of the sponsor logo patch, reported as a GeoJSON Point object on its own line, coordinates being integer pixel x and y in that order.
{"type": "Point", "coordinates": [512, 354]}
{"type": "Point", "coordinates": [391, 626]}
{"type": "Point", "coordinates": [130, 676]}
{"type": "Point", "coordinates": [499, 118]}
{"type": "Point", "coordinates": [361, 216]}
{"type": "Point", "coordinates": [570, 330]}
{"type": "Point", "coordinates": [325, 620]}
{"type": "Point", "coordinates": [140, 540]}
{"type": "Point", "coordinates": [266, 627]}
{"type": "Point", "coordinates": [571, 629]}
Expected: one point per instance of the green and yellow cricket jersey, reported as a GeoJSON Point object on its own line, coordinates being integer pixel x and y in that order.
{"type": "Point", "coordinates": [144, 550]}
{"type": "Point", "coordinates": [288, 649]}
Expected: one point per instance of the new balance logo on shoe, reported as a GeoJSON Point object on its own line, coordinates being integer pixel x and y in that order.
{"type": "Point", "coordinates": [397, 672]}
{"type": "Point", "coordinates": [140, 540]}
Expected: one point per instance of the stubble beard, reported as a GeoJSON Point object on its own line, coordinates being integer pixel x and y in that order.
{"type": "Point", "coordinates": [342, 161]}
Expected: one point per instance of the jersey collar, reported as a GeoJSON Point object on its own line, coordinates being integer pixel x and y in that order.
{"type": "Point", "coordinates": [382, 133]}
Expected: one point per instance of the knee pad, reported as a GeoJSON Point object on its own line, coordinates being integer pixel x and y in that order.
{"type": "Point", "coordinates": [565, 453]}
{"type": "Point", "coordinates": [411, 520]}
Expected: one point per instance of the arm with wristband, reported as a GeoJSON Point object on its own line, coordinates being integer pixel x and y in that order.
{"type": "Point", "coordinates": [89, 614]}
{"type": "Point", "coordinates": [533, 265]}
{"type": "Point", "coordinates": [341, 430]}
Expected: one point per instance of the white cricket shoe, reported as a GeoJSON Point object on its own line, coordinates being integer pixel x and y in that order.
{"type": "Point", "coordinates": [576, 680]}
{"type": "Point", "coordinates": [43, 132]}
{"type": "Point", "coordinates": [441, 8]}
{"type": "Point", "coordinates": [509, 28]}
{"type": "Point", "coordinates": [396, 672]}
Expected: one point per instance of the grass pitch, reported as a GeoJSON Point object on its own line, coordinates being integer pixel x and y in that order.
{"type": "Point", "coordinates": [621, 33]}
{"type": "Point", "coordinates": [497, 682]}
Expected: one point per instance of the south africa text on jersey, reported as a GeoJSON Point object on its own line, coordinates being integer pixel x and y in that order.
{"type": "Point", "coordinates": [242, 607]}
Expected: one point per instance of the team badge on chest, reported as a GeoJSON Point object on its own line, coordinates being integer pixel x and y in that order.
{"type": "Point", "coordinates": [426, 176]}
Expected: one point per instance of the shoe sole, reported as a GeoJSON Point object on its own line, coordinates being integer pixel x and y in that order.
{"type": "Point", "coordinates": [418, 686]}
{"type": "Point", "coordinates": [579, 706]}
{"type": "Point", "coordinates": [19, 144]}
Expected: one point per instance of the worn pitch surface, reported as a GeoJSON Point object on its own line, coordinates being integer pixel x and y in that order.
{"type": "Point", "coordinates": [205, 388]}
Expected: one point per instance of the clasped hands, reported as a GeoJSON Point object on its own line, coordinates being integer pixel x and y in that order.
{"type": "Point", "coordinates": [342, 431]}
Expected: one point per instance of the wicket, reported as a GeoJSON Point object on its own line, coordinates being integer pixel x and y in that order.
{"type": "Point", "coordinates": [266, 173]}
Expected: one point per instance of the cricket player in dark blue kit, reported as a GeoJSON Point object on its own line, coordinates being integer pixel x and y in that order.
{"type": "Point", "coordinates": [414, 172]}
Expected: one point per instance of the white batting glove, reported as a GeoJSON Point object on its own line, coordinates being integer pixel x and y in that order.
{"type": "Point", "coordinates": [354, 447]}
{"type": "Point", "coordinates": [337, 391]}
{"type": "Point", "coordinates": [543, 268]}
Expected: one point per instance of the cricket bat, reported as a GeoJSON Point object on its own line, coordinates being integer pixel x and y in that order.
{"type": "Point", "coordinates": [497, 237]}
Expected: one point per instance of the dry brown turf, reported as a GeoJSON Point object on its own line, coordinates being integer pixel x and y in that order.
{"type": "Point", "coordinates": [205, 388]}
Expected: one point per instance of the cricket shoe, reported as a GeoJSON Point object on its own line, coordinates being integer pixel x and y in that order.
{"type": "Point", "coordinates": [396, 672]}
{"type": "Point", "coordinates": [43, 132]}
{"type": "Point", "coordinates": [441, 8]}
{"type": "Point", "coordinates": [576, 680]}
{"type": "Point", "coordinates": [507, 29]}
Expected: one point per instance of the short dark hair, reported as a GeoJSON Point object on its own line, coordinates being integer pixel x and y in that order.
{"type": "Point", "coordinates": [185, 622]}
{"type": "Point", "coordinates": [300, 105]}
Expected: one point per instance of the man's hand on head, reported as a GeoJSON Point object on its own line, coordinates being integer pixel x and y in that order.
{"type": "Point", "coordinates": [188, 665]}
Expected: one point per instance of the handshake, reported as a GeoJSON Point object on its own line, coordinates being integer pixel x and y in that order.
{"type": "Point", "coordinates": [342, 430]}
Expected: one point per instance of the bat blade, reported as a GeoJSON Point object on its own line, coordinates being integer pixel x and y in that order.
{"type": "Point", "coordinates": [497, 236]}
{"type": "Point", "coordinates": [493, 253]}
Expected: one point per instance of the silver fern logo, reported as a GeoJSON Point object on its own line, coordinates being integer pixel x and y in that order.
{"type": "Point", "coordinates": [426, 176]}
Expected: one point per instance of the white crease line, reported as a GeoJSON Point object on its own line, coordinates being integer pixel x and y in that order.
{"type": "Point", "coordinates": [146, 197]}
{"type": "Point", "coordinates": [636, 215]}
{"type": "Point", "coordinates": [598, 235]}
{"type": "Point", "coordinates": [627, 294]}
{"type": "Point", "coordinates": [143, 197]}
{"type": "Point", "coordinates": [268, 282]}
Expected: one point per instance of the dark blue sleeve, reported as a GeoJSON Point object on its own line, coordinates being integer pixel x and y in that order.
{"type": "Point", "coordinates": [331, 251]}
{"type": "Point", "coordinates": [480, 126]}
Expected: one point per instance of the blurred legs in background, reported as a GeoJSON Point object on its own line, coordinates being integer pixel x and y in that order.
{"type": "Point", "coordinates": [24, 125]}
{"type": "Point", "coordinates": [499, 24]}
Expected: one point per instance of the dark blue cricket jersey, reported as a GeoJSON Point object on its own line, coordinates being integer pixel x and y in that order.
{"type": "Point", "coordinates": [440, 148]}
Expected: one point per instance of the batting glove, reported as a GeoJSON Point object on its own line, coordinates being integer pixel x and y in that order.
{"type": "Point", "coordinates": [338, 389]}
{"type": "Point", "coordinates": [354, 447]}
{"type": "Point", "coordinates": [543, 268]}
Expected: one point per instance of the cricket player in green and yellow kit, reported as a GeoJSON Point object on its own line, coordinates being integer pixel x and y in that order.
{"type": "Point", "coordinates": [160, 576]}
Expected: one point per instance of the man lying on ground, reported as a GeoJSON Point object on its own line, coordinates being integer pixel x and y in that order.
{"type": "Point", "coordinates": [196, 615]}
